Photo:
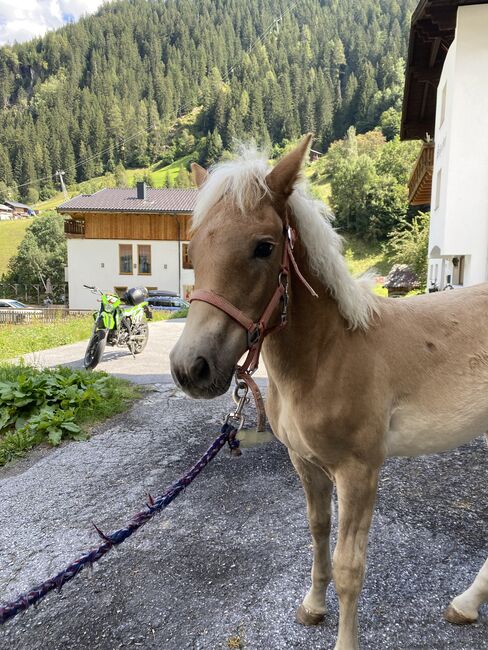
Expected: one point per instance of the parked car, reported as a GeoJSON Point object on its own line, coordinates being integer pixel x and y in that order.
{"type": "Point", "coordinates": [14, 311]}
{"type": "Point", "coordinates": [163, 301]}
{"type": "Point", "coordinates": [6, 303]}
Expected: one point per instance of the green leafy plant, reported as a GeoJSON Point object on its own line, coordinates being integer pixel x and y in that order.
{"type": "Point", "coordinates": [52, 405]}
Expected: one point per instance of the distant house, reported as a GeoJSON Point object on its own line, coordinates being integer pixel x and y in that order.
{"type": "Point", "coordinates": [20, 210]}
{"type": "Point", "coordinates": [315, 155]}
{"type": "Point", "coordinates": [446, 104]}
{"type": "Point", "coordinates": [6, 212]}
{"type": "Point", "coordinates": [400, 280]}
{"type": "Point", "coordinates": [119, 238]}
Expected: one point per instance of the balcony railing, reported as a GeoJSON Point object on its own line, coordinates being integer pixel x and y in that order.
{"type": "Point", "coordinates": [74, 228]}
{"type": "Point", "coordinates": [420, 183]}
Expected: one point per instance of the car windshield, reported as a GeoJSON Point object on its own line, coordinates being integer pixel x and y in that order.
{"type": "Point", "coordinates": [16, 304]}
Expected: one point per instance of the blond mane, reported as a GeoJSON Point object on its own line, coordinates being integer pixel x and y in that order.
{"type": "Point", "coordinates": [244, 180]}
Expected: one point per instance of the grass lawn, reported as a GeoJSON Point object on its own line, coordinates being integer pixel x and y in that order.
{"type": "Point", "coordinates": [11, 234]}
{"type": "Point", "coordinates": [159, 175]}
{"type": "Point", "coordinates": [363, 257]}
{"type": "Point", "coordinates": [16, 340]}
{"type": "Point", "coordinates": [51, 405]}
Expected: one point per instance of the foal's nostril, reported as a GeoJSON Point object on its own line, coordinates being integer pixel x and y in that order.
{"type": "Point", "coordinates": [200, 370]}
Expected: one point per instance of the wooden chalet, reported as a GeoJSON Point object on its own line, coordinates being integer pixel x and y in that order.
{"type": "Point", "coordinates": [119, 238]}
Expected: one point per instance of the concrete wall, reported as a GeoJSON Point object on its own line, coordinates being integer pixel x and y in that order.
{"type": "Point", "coordinates": [96, 262]}
{"type": "Point", "coordinates": [459, 206]}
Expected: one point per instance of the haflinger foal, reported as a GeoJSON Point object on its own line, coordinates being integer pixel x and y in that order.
{"type": "Point", "coordinates": [353, 378]}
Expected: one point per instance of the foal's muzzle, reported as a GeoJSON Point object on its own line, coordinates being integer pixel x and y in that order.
{"type": "Point", "coordinates": [200, 374]}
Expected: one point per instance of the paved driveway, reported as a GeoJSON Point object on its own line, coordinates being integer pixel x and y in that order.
{"type": "Point", "coordinates": [227, 563]}
{"type": "Point", "coordinates": [151, 366]}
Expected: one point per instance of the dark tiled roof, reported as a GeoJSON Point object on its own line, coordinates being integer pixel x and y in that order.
{"type": "Point", "coordinates": [117, 200]}
{"type": "Point", "coordinates": [15, 204]}
{"type": "Point", "coordinates": [401, 276]}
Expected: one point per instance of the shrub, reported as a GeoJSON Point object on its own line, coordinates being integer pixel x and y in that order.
{"type": "Point", "coordinates": [408, 244]}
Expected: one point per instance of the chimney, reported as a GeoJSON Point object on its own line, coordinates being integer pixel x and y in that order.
{"type": "Point", "coordinates": [141, 190]}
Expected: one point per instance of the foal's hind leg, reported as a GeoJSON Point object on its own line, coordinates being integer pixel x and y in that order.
{"type": "Point", "coordinates": [464, 608]}
{"type": "Point", "coordinates": [318, 490]}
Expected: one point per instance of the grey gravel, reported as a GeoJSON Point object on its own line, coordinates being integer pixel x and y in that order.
{"type": "Point", "coordinates": [229, 561]}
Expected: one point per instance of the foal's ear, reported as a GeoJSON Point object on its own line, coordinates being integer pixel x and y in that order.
{"type": "Point", "coordinates": [284, 174]}
{"type": "Point", "coordinates": [199, 174]}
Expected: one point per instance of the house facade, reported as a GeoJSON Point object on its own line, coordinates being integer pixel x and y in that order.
{"type": "Point", "coordinates": [121, 238]}
{"type": "Point", "coordinates": [446, 103]}
{"type": "Point", "coordinates": [6, 213]}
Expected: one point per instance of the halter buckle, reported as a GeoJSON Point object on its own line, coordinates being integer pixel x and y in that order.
{"type": "Point", "coordinates": [253, 336]}
{"type": "Point", "coordinates": [290, 236]}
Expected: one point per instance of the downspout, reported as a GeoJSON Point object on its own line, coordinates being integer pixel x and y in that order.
{"type": "Point", "coordinates": [179, 255]}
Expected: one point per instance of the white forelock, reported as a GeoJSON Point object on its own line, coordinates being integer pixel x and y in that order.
{"type": "Point", "coordinates": [243, 180]}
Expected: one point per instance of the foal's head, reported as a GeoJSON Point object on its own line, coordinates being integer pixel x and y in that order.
{"type": "Point", "coordinates": [236, 250]}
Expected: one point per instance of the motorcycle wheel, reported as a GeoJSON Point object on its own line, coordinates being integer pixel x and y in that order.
{"type": "Point", "coordinates": [140, 330]}
{"type": "Point", "coordinates": [94, 350]}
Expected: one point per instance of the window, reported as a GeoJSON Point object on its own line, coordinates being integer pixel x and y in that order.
{"type": "Point", "coordinates": [144, 257]}
{"type": "Point", "coordinates": [458, 270]}
{"type": "Point", "coordinates": [438, 189]}
{"type": "Point", "coordinates": [186, 257]}
{"type": "Point", "coordinates": [120, 291]}
{"type": "Point", "coordinates": [443, 105]}
{"type": "Point", "coordinates": [125, 259]}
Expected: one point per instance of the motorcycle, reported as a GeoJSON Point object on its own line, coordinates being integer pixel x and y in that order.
{"type": "Point", "coordinates": [117, 324]}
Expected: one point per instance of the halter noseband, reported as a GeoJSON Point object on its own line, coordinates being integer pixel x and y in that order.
{"type": "Point", "coordinates": [257, 330]}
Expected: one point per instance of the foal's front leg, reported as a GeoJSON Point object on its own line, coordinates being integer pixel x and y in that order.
{"type": "Point", "coordinates": [318, 491]}
{"type": "Point", "coordinates": [356, 491]}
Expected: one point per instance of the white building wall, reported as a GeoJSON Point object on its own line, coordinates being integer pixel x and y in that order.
{"type": "Point", "coordinates": [96, 262]}
{"type": "Point", "coordinates": [459, 205]}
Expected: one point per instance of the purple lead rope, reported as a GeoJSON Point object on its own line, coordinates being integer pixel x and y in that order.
{"type": "Point", "coordinates": [32, 597]}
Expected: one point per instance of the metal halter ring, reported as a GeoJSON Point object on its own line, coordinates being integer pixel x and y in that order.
{"type": "Point", "coordinates": [236, 418]}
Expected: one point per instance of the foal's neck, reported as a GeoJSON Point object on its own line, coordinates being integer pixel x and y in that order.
{"type": "Point", "coordinates": [311, 321]}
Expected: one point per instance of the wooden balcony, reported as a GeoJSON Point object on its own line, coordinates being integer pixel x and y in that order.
{"type": "Point", "coordinates": [74, 228]}
{"type": "Point", "coordinates": [420, 183]}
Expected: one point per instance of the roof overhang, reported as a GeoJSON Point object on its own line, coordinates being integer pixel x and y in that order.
{"type": "Point", "coordinates": [82, 211]}
{"type": "Point", "coordinates": [432, 31]}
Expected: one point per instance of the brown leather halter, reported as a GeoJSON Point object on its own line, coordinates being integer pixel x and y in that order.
{"type": "Point", "coordinates": [257, 330]}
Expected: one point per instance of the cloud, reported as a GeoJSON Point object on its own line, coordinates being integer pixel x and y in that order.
{"type": "Point", "coordinates": [21, 20]}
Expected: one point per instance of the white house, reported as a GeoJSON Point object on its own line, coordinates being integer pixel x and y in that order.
{"type": "Point", "coordinates": [121, 238]}
{"type": "Point", "coordinates": [6, 212]}
{"type": "Point", "coordinates": [446, 98]}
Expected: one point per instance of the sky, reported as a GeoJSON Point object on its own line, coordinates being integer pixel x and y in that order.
{"type": "Point", "coordinates": [21, 20]}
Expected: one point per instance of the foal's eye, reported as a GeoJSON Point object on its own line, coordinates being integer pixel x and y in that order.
{"type": "Point", "coordinates": [263, 249]}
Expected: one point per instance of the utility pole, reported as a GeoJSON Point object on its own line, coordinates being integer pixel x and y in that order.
{"type": "Point", "coordinates": [61, 180]}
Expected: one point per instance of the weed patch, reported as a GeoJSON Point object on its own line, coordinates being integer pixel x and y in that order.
{"type": "Point", "coordinates": [53, 405]}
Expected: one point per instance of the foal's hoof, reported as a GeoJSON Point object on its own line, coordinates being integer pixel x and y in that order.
{"type": "Point", "coordinates": [308, 618]}
{"type": "Point", "coordinates": [453, 616]}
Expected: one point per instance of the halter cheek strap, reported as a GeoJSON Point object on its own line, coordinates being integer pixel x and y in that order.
{"type": "Point", "coordinates": [257, 330]}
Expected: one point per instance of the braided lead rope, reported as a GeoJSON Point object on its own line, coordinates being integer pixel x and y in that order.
{"type": "Point", "coordinates": [32, 597]}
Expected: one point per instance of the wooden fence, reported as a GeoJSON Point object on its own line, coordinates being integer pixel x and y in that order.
{"type": "Point", "coordinates": [41, 315]}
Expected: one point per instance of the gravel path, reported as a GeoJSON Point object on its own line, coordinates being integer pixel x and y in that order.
{"type": "Point", "coordinates": [228, 562]}
{"type": "Point", "coordinates": [225, 565]}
